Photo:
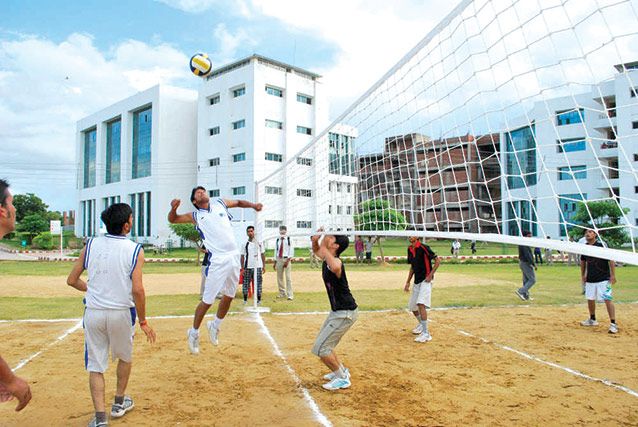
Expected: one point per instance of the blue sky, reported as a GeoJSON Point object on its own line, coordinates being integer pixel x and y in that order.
{"type": "Point", "coordinates": [63, 60]}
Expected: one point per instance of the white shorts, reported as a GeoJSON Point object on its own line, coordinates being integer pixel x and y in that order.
{"type": "Point", "coordinates": [222, 274]}
{"type": "Point", "coordinates": [106, 330]}
{"type": "Point", "coordinates": [599, 291]}
{"type": "Point", "coordinates": [421, 294]}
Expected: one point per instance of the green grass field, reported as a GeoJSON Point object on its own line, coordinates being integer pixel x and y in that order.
{"type": "Point", "coordinates": [556, 284]}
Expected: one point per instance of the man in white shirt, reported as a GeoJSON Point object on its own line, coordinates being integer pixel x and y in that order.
{"type": "Point", "coordinates": [212, 221]}
{"type": "Point", "coordinates": [283, 255]}
{"type": "Point", "coordinates": [253, 259]}
{"type": "Point", "coordinates": [114, 298]}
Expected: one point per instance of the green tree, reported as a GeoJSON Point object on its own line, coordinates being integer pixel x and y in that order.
{"type": "Point", "coordinates": [54, 216]}
{"type": "Point", "coordinates": [188, 232]}
{"type": "Point", "coordinates": [600, 214]}
{"type": "Point", "coordinates": [32, 225]}
{"type": "Point", "coordinates": [29, 204]}
{"type": "Point", "coordinates": [379, 215]}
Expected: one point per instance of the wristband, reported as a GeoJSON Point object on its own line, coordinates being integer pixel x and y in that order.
{"type": "Point", "coordinates": [144, 322]}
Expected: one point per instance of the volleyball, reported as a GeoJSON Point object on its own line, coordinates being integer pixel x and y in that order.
{"type": "Point", "coordinates": [200, 64]}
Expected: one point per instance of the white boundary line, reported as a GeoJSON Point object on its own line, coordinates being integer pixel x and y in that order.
{"type": "Point", "coordinates": [321, 418]}
{"type": "Point", "coordinates": [51, 344]}
{"type": "Point", "coordinates": [551, 364]}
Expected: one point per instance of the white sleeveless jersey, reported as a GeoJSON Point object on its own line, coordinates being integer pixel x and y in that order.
{"type": "Point", "coordinates": [213, 225]}
{"type": "Point", "coordinates": [110, 261]}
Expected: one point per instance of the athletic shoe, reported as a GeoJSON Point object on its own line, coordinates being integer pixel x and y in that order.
{"type": "Point", "coordinates": [337, 383]}
{"type": "Point", "coordinates": [589, 322]}
{"type": "Point", "coordinates": [423, 337]}
{"type": "Point", "coordinates": [613, 328]}
{"type": "Point", "coordinates": [213, 332]}
{"type": "Point", "coordinates": [119, 409]}
{"type": "Point", "coordinates": [94, 423]}
{"type": "Point", "coordinates": [289, 298]}
{"type": "Point", "coordinates": [521, 295]}
{"type": "Point", "coordinates": [193, 342]}
{"type": "Point", "coordinates": [331, 376]}
{"type": "Point", "coordinates": [418, 329]}
{"type": "Point", "coordinates": [245, 302]}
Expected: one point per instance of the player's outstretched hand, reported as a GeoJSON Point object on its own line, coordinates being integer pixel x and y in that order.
{"type": "Point", "coordinates": [258, 207]}
{"type": "Point", "coordinates": [175, 203]}
{"type": "Point", "coordinates": [19, 389]}
{"type": "Point", "coordinates": [406, 288]}
{"type": "Point", "coordinates": [149, 332]}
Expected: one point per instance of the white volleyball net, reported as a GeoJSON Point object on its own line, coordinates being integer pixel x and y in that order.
{"type": "Point", "coordinates": [509, 116]}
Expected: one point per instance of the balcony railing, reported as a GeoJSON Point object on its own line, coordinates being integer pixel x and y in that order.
{"type": "Point", "coordinates": [609, 144]}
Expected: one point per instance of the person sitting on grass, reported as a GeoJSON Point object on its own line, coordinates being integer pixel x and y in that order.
{"type": "Point", "coordinates": [343, 308]}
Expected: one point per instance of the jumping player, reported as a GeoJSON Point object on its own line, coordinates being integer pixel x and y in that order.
{"type": "Point", "coordinates": [420, 258]}
{"type": "Point", "coordinates": [343, 308]}
{"type": "Point", "coordinates": [212, 220]}
{"type": "Point", "coordinates": [114, 298]}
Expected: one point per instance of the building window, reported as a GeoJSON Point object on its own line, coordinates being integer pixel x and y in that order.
{"type": "Point", "coordinates": [633, 91]}
{"type": "Point", "coordinates": [349, 210]}
{"type": "Point", "coordinates": [521, 216]}
{"type": "Point", "coordinates": [274, 124]}
{"type": "Point", "coordinates": [214, 99]}
{"type": "Point", "coordinates": [635, 157]}
{"type": "Point", "coordinates": [634, 125]}
{"type": "Point", "coordinates": [304, 130]}
{"type": "Point", "coordinates": [568, 205]}
{"type": "Point", "coordinates": [569, 145]}
{"type": "Point", "coordinates": [274, 190]}
{"type": "Point", "coordinates": [214, 193]}
{"type": "Point", "coordinates": [349, 188]}
{"type": "Point", "coordinates": [239, 91]}
{"type": "Point", "coordinates": [213, 131]}
{"type": "Point", "coordinates": [213, 162]}
{"type": "Point", "coordinates": [274, 91]}
{"type": "Point", "coordinates": [274, 157]}
{"type": "Point", "coordinates": [578, 172]}
{"type": "Point", "coordinates": [302, 192]}
{"type": "Point", "coordinates": [239, 157]}
{"type": "Point", "coordinates": [305, 161]}
{"type": "Point", "coordinates": [89, 158]}
{"type": "Point", "coordinates": [239, 191]}
{"type": "Point", "coordinates": [340, 154]}
{"type": "Point", "coordinates": [113, 154]}
{"type": "Point", "coordinates": [330, 209]}
{"type": "Point", "coordinates": [269, 223]}
{"type": "Point", "coordinates": [339, 187]}
{"type": "Point", "coordinates": [339, 210]}
{"type": "Point", "coordinates": [636, 189]}
{"type": "Point", "coordinates": [569, 117]}
{"type": "Point", "coordinates": [304, 99]}
{"type": "Point", "coordinates": [330, 186]}
{"type": "Point", "coordinates": [141, 205]}
{"type": "Point", "coordinates": [520, 157]}
{"type": "Point", "coordinates": [142, 128]}
{"type": "Point", "coordinates": [304, 224]}
{"type": "Point", "coordinates": [239, 124]}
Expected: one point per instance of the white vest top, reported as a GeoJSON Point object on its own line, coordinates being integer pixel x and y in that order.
{"type": "Point", "coordinates": [110, 261]}
{"type": "Point", "coordinates": [215, 229]}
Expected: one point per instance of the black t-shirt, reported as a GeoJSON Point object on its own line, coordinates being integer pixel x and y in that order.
{"type": "Point", "coordinates": [597, 268]}
{"type": "Point", "coordinates": [337, 288]}
{"type": "Point", "coordinates": [420, 258]}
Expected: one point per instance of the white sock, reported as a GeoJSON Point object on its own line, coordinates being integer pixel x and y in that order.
{"type": "Point", "coordinates": [340, 373]}
{"type": "Point", "coordinates": [217, 322]}
{"type": "Point", "coordinates": [194, 332]}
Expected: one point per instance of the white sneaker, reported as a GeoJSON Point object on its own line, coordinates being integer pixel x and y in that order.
{"type": "Point", "coordinates": [118, 410]}
{"type": "Point", "coordinates": [589, 322]}
{"type": "Point", "coordinates": [331, 376]}
{"type": "Point", "coordinates": [418, 329]}
{"type": "Point", "coordinates": [213, 332]}
{"type": "Point", "coordinates": [193, 342]}
{"type": "Point", "coordinates": [613, 328]}
{"type": "Point", "coordinates": [423, 337]}
{"type": "Point", "coordinates": [337, 383]}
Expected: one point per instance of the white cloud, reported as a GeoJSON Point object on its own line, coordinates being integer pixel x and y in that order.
{"type": "Point", "coordinates": [46, 87]}
{"type": "Point", "coordinates": [229, 42]}
{"type": "Point", "coordinates": [190, 6]}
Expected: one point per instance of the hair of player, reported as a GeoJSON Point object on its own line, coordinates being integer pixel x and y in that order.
{"type": "Point", "coordinates": [4, 192]}
{"type": "Point", "coordinates": [343, 243]}
{"type": "Point", "coordinates": [199, 187]}
{"type": "Point", "coordinates": [283, 228]}
{"type": "Point", "coordinates": [250, 227]}
{"type": "Point", "coordinates": [115, 216]}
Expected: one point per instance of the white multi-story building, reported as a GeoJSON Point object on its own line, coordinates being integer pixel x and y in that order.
{"type": "Point", "coordinates": [581, 147]}
{"type": "Point", "coordinates": [254, 116]}
{"type": "Point", "coordinates": [140, 151]}
{"type": "Point", "coordinates": [249, 119]}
